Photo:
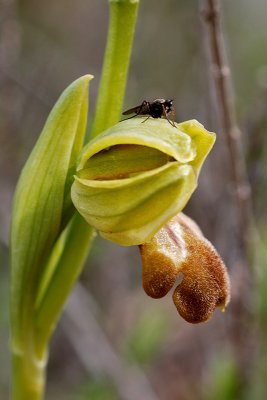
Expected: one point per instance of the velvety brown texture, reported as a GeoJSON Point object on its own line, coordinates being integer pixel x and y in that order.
{"type": "Point", "coordinates": [180, 247]}
{"type": "Point", "coordinates": [205, 285]}
{"type": "Point", "coordinates": [161, 258]}
{"type": "Point", "coordinates": [159, 276]}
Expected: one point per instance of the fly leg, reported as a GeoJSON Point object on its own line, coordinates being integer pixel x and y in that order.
{"type": "Point", "coordinates": [166, 115]}
{"type": "Point", "coordinates": [145, 119]}
{"type": "Point", "coordinates": [172, 115]}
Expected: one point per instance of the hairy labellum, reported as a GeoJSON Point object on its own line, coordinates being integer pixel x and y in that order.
{"type": "Point", "coordinates": [180, 247]}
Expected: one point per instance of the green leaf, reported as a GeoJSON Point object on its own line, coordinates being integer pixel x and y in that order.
{"type": "Point", "coordinates": [62, 271]}
{"type": "Point", "coordinates": [42, 204]}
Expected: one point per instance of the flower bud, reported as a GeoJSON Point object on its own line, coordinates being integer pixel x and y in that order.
{"type": "Point", "coordinates": [136, 176]}
{"type": "Point", "coordinates": [180, 247]}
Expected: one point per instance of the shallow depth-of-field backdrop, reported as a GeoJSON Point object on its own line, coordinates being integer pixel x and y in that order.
{"type": "Point", "coordinates": [113, 341]}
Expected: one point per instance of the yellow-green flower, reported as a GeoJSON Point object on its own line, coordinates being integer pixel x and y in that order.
{"type": "Point", "coordinates": [136, 176]}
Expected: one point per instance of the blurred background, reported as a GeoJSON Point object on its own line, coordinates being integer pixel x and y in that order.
{"type": "Point", "coordinates": [113, 341]}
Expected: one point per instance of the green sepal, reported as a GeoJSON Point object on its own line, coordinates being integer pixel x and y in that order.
{"type": "Point", "coordinates": [136, 176]}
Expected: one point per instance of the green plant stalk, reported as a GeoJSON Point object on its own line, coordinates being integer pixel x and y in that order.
{"type": "Point", "coordinates": [111, 93]}
{"type": "Point", "coordinates": [28, 376]}
{"type": "Point", "coordinates": [122, 22]}
{"type": "Point", "coordinates": [71, 252]}
{"type": "Point", "coordinates": [29, 367]}
{"type": "Point", "coordinates": [123, 14]}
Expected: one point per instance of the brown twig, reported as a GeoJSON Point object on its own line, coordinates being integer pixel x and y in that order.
{"type": "Point", "coordinates": [227, 117]}
{"type": "Point", "coordinates": [242, 318]}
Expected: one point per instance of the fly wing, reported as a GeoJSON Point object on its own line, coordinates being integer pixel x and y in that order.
{"type": "Point", "coordinates": [134, 110]}
{"type": "Point", "coordinates": [143, 109]}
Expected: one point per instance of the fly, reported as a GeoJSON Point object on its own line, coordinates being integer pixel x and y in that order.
{"type": "Point", "coordinates": [156, 109]}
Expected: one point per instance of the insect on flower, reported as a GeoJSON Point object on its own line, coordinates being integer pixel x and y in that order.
{"type": "Point", "coordinates": [156, 109]}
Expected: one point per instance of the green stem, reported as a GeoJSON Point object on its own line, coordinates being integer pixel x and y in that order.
{"type": "Point", "coordinates": [123, 15]}
{"type": "Point", "coordinates": [72, 251]}
{"type": "Point", "coordinates": [76, 245]}
{"type": "Point", "coordinates": [30, 363]}
{"type": "Point", "coordinates": [28, 377]}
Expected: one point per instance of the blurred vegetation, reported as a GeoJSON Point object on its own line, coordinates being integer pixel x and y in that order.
{"type": "Point", "coordinates": [147, 336]}
{"type": "Point", "coordinates": [95, 390]}
{"type": "Point", "coordinates": [224, 379]}
{"type": "Point", "coordinates": [46, 45]}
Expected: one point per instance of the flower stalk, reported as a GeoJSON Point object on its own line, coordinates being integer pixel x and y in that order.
{"type": "Point", "coordinates": [123, 14]}
{"type": "Point", "coordinates": [49, 240]}
{"type": "Point", "coordinates": [28, 376]}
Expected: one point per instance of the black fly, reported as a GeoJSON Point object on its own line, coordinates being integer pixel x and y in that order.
{"type": "Point", "coordinates": [155, 109]}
